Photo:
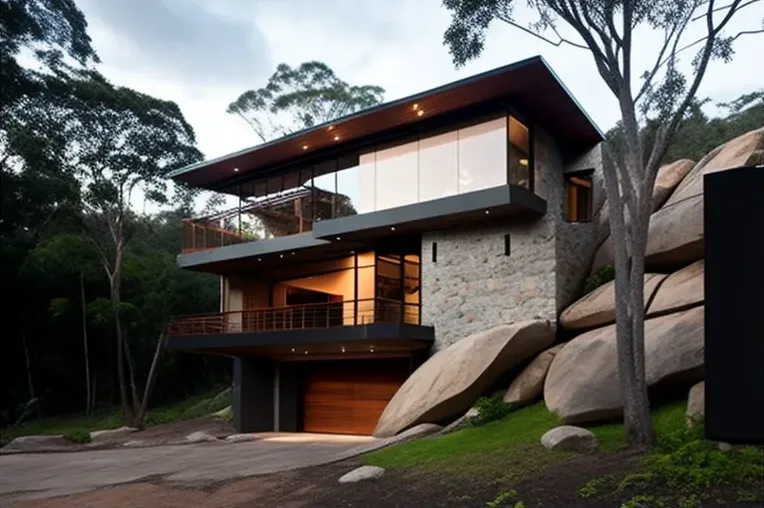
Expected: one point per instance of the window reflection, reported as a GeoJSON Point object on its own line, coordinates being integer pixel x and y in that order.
{"type": "Point", "coordinates": [519, 153]}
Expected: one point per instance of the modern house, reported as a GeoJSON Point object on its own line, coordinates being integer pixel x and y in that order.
{"type": "Point", "coordinates": [361, 246]}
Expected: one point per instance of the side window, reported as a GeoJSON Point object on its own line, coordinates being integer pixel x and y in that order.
{"type": "Point", "coordinates": [520, 161]}
{"type": "Point", "coordinates": [579, 194]}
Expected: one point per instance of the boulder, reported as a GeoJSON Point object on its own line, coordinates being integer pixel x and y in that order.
{"type": "Point", "coordinates": [582, 384]}
{"type": "Point", "coordinates": [681, 290]}
{"type": "Point", "coordinates": [362, 473]}
{"type": "Point", "coordinates": [676, 230]}
{"type": "Point", "coordinates": [226, 413]}
{"type": "Point", "coordinates": [675, 235]}
{"type": "Point", "coordinates": [570, 439]}
{"type": "Point", "coordinates": [745, 150]}
{"type": "Point", "coordinates": [135, 443]}
{"type": "Point", "coordinates": [529, 384]}
{"type": "Point", "coordinates": [241, 438]}
{"type": "Point", "coordinates": [110, 435]}
{"type": "Point", "coordinates": [668, 178]}
{"type": "Point", "coordinates": [598, 307]}
{"type": "Point", "coordinates": [200, 436]}
{"type": "Point", "coordinates": [451, 380]}
{"type": "Point", "coordinates": [38, 444]}
{"type": "Point", "coordinates": [696, 403]}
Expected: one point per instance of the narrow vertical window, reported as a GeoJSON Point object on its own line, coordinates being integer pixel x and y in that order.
{"type": "Point", "coordinates": [506, 245]}
{"type": "Point", "coordinates": [434, 252]}
{"type": "Point", "coordinates": [580, 198]}
{"type": "Point", "coordinates": [520, 163]}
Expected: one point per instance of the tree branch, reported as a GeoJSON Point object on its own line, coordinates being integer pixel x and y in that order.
{"type": "Point", "coordinates": [701, 16]}
{"type": "Point", "coordinates": [561, 40]}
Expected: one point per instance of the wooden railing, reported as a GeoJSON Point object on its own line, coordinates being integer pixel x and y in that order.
{"type": "Point", "coordinates": [297, 317]}
{"type": "Point", "coordinates": [198, 236]}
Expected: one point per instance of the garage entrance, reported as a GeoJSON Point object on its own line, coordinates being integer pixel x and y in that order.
{"type": "Point", "coordinates": [348, 397]}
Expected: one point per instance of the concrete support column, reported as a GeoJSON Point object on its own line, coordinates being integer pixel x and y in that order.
{"type": "Point", "coordinates": [253, 387]}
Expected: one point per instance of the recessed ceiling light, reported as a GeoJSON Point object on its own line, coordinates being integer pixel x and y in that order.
{"type": "Point", "coordinates": [293, 253]}
{"type": "Point", "coordinates": [352, 252]}
{"type": "Point", "coordinates": [306, 352]}
{"type": "Point", "coordinates": [415, 106]}
{"type": "Point", "coordinates": [235, 170]}
{"type": "Point", "coordinates": [292, 350]}
{"type": "Point", "coordinates": [487, 212]}
{"type": "Point", "coordinates": [331, 127]}
{"type": "Point", "coordinates": [336, 138]}
{"type": "Point", "coordinates": [343, 349]}
{"type": "Point", "coordinates": [523, 162]}
{"type": "Point", "coordinates": [304, 147]}
{"type": "Point", "coordinates": [420, 113]}
{"type": "Point", "coordinates": [259, 259]}
{"type": "Point", "coordinates": [392, 228]}
{"type": "Point", "coordinates": [372, 349]}
{"type": "Point", "coordinates": [338, 238]}
{"type": "Point", "coordinates": [281, 256]}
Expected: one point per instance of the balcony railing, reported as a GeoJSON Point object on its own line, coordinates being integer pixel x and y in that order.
{"type": "Point", "coordinates": [297, 317]}
{"type": "Point", "coordinates": [199, 236]}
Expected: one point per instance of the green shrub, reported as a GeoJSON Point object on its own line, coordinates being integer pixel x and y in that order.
{"type": "Point", "coordinates": [603, 276]}
{"type": "Point", "coordinates": [598, 487]}
{"type": "Point", "coordinates": [502, 499]}
{"type": "Point", "coordinates": [641, 501]}
{"type": "Point", "coordinates": [78, 436]}
{"type": "Point", "coordinates": [489, 409]}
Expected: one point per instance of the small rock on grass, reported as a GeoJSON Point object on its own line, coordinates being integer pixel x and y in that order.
{"type": "Point", "coordinates": [569, 438]}
{"type": "Point", "coordinates": [362, 473]}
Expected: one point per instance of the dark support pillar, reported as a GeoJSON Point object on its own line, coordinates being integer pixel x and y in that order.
{"type": "Point", "coordinates": [290, 382]}
{"type": "Point", "coordinates": [253, 394]}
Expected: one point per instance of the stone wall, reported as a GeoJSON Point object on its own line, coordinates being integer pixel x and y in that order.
{"type": "Point", "coordinates": [474, 286]}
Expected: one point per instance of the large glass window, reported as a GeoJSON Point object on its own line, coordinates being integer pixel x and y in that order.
{"type": "Point", "coordinates": [483, 155]}
{"type": "Point", "coordinates": [519, 154]}
{"type": "Point", "coordinates": [397, 179]}
{"type": "Point", "coordinates": [438, 170]}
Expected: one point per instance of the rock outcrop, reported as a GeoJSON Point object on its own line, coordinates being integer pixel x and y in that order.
{"type": "Point", "coordinates": [362, 473]}
{"type": "Point", "coordinates": [569, 438]}
{"type": "Point", "coordinates": [680, 290]}
{"type": "Point", "coordinates": [39, 443]}
{"type": "Point", "coordinates": [668, 178]}
{"type": "Point", "coordinates": [696, 403]}
{"type": "Point", "coordinates": [598, 307]}
{"type": "Point", "coordinates": [529, 384]}
{"type": "Point", "coordinates": [582, 384]}
{"type": "Point", "coordinates": [451, 380]}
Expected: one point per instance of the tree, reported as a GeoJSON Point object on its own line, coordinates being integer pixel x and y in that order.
{"type": "Point", "coordinates": [116, 140]}
{"type": "Point", "coordinates": [298, 98]}
{"type": "Point", "coordinates": [606, 28]}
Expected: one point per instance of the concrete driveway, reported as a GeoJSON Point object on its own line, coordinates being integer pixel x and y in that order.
{"type": "Point", "coordinates": [43, 475]}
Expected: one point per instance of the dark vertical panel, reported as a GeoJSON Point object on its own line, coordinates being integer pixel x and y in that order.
{"type": "Point", "coordinates": [253, 394]}
{"type": "Point", "coordinates": [734, 298]}
{"type": "Point", "coordinates": [531, 157]}
{"type": "Point", "coordinates": [290, 399]}
{"type": "Point", "coordinates": [434, 252]}
{"type": "Point", "coordinates": [506, 245]}
{"type": "Point", "coordinates": [355, 288]}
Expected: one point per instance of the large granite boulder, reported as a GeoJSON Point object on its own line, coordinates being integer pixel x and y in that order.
{"type": "Point", "coordinates": [451, 380]}
{"type": "Point", "coordinates": [676, 230]}
{"type": "Point", "coordinates": [681, 290]}
{"type": "Point", "coordinates": [668, 178]}
{"type": "Point", "coordinates": [598, 307]}
{"type": "Point", "coordinates": [582, 384]}
{"type": "Point", "coordinates": [745, 150]}
{"type": "Point", "coordinates": [529, 384]}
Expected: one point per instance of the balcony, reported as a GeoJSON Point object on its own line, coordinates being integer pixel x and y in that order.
{"type": "Point", "coordinates": [297, 317]}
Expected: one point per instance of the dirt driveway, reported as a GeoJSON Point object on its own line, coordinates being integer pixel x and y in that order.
{"type": "Point", "coordinates": [35, 476]}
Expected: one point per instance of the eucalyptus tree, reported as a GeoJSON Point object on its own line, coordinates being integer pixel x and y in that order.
{"type": "Point", "coordinates": [691, 34]}
{"type": "Point", "coordinates": [301, 97]}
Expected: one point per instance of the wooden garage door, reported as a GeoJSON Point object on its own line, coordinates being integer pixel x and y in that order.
{"type": "Point", "coordinates": [348, 397]}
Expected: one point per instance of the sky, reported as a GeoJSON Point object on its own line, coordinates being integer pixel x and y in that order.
{"type": "Point", "coordinates": [204, 54]}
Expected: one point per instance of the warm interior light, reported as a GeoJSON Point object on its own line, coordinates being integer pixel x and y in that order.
{"type": "Point", "coordinates": [235, 170]}
{"type": "Point", "coordinates": [331, 127]}
{"type": "Point", "coordinates": [523, 162]}
{"type": "Point", "coordinates": [415, 107]}
{"type": "Point", "coordinates": [304, 147]}
{"type": "Point", "coordinates": [420, 112]}
{"type": "Point", "coordinates": [392, 228]}
{"type": "Point", "coordinates": [336, 138]}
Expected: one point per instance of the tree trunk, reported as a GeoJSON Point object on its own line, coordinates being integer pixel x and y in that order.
{"type": "Point", "coordinates": [85, 344]}
{"type": "Point", "coordinates": [150, 382]}
{"type": "Point", "coordinates": [28, 364]}
{"type": "Point", "coordinates": [115, 281]}
{"type": "Point", "coordinates": [136, 401]}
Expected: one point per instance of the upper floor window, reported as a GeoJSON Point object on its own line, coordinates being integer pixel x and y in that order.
{"type": "Point", "coordinates": [520, 163]}
{"type": "Point", "coordinates": [579, 194]}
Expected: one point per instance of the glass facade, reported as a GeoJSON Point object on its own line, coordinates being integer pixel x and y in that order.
{"type": "Point", "coordinates": [479, 156]}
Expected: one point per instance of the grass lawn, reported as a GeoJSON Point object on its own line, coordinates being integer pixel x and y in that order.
{"type": "Point", "coordinates": [682, 468]}
{"type": "Point", "coordinates": [74, 425]}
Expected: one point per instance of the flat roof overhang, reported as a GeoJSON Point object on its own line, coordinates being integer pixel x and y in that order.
{"type": "Point", "coordinates": [359, 341]}
{"type": "Point", "coordinates": [530, 85]}
{"type": "Point", "coordinates": [484, 205]}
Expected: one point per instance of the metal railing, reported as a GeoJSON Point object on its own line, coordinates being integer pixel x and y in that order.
{"type": "Point", "coordinates": [297, 317]}
{"type": "Point", "coordinates": [198, 236]}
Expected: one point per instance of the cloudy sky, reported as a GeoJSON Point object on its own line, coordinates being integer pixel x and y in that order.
{"type": "Point", "coordinates": [203, 54]}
